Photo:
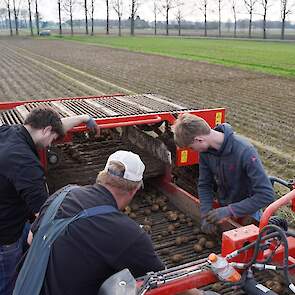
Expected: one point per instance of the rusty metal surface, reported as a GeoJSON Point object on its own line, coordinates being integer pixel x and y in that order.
{"type": "Point", "coordinates": [81, 161]}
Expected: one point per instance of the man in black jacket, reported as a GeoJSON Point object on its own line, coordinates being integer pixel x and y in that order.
{"type": "Point", "coordinates": [92, 249]}
{"type": "Point", "coordinates": [228, 161]}
{"type": "Point", "coordinates": [23, 188]}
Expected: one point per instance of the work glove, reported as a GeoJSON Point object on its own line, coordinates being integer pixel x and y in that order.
{"type": "Point", "coordinates": [208, 228]}
{"type": "Point", "coordinates": [218, 215]}
{"type": "Point", "coordinates": [91, 125]}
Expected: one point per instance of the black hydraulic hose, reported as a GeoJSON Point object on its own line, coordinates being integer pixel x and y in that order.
{"type": "Point", "coordinates": [286, 249]}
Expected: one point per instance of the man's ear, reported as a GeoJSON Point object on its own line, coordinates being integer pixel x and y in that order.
{"type": "Point", "coordinates": [47, 129]}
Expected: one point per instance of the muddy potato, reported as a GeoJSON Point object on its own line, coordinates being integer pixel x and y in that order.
{"type": "Point", "coordinates": [177, 258]}
{"type": "Point", "coordinates": [155, 208]}
{"type": "Point", "coordinates": [147, 221]}
{"type": "Point", "coordinates": [172, 215]}
{"type": "Point", "coordinates": [164, 209]}
{"type": "Point", "coordinates": [185, 239]}
{"type": "Point", "coordinates": [165, 252]}
{"type": "Point", "coordinates": [165, 233]}
{"type": "Point", "coordinates": [171, 228]}
{"type": "Point", "coordinates": [188, 219]}
{"type": "Point", "coordinates": [127, 210]}
{"type": "Point", "coordinates": [148, 229]}
{"type": "Point", "coordinates": [134, 207]}
{"type": "Point", "coordinates": [198, 248]}
{"type": "Point", "coordinates": [147, 212]}
{"type": "Point", "coordinates": [159, 237]}
{"type": "Point", "coordinates": [209, 245]}
{"type": "Point", "coordinates": [196, 231]}
{"type": "Point", "coordinates": [132, 215]}
{"type": "Point", "coordinates": [182, 221]}
{"type": "Point", "coordinates": [176, 224]}
{"type": "Point", "coordinates": [190, 224]}
{"type": "Point", "coordinates": [202, 241]}
{"type": "Point", "coordinates": [178, 241]}
{"type": "Point", "coordinates": [181, 216]}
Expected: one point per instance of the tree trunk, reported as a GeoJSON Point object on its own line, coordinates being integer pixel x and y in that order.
{"type": "Point", "coordinates": [205, 21]}
{"type": "Point", "coordinates": [37, 18]}
{"type": "Point", "coordinates": [132, 17]}
{"type": "Point", "coordinates": [155, 23]}
{"type": "Point", "coordinates": [179, 28]}
{"type": "Point", "coordinates": [30, 18]}
{"type": "Point", "coordinates": [235, 29]}
{"type": "Point", "coordinates": [264, 22]}
{"type": "Point", "coordinates": [9, 18]}
{"type": "Point", "coordinates": [120, 33]}
{"type": "Point", "coordinates": [92, 17]}
{"type": "Point", "coordinates": [15, 18]}
{"type": "Point", "coordinates": [108, 15]}
{"type": "Point", "coordinates": [86, 16]}
{"type": "Point", "coordinates": [167, 20]}
{"type": "Point", "coordinates": [283, 27]}
{"type": "Point", "coordinates": [250, 23]}
{"type": "Point", "coordinates": [219, 20]}
{"type": "Point", "coordinates": [71, 18]}
{"type": "Point", "coordinates": [59, 18]}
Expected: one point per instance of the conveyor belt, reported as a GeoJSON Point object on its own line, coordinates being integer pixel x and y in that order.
{"type": "Point", "coordinates": [97, 107]}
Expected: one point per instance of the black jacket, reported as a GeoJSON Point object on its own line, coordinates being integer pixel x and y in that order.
{"type": "Point", "coordinates": [22, 181]}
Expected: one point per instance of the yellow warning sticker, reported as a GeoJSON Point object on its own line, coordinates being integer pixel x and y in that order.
{"type": "Point", "coordinates": [184, 155]}
{"type": "Point", "coordinates": [218, 118]}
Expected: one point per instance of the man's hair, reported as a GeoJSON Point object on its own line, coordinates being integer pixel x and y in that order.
{"type": "Point", "coordinates": [40, 118]}
{"type": "Point", "coordinates": [187, 127]}
{"type": "Point", "coordinates": [114, 178]}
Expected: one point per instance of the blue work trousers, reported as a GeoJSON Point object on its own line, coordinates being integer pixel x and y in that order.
{"type": "Point", "coordinates": [10, 256]}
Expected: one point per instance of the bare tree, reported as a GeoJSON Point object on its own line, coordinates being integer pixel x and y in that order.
{"type": "Point", "coordinates": [179, 16]}
{"type": "Point", "coordinates": [7, 3]}
{"type": "Point", "coordinates": [250, 8]}
{"type": "Point", "coordinates": [37, 17]}
{"type": "Point", "coordinates": [16, 13]}
{"type": "Point", "coordinates": [155, 12]}
{"type": "Point", "coordinates": [24, 15]}
{"type": "Point", "coordinates": [265, 4]}
{"type": "Point", "coordinates": [59, 16]}
{"type": "Point", "coordinates": [134, 8]}
{"type": "Point", "coordinates": [285, 10]}
{"type": "Point", "coordinates": [167, 5]}
{"type": "Point", "coordinates": [30, 17]}
{"type": "Point", "coordinates": [92, 17]}
{"type": "Point", "coordinates": [108, 17]}
{"type": "Point", "coordinates": [204, 9]}
{"type": "Point", "coordinates": [234, 9]}
{"type": "Point", "coordinates": [118, 7]}
{"type": "Point", "coordinates": [219, 16]}
{"type": "Point", "coordinates": [86, 16]}
{"type": "Point", "coordinates": [68, 6]}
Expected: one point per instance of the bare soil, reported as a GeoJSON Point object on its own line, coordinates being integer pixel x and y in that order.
{"type": "Point", "coordinates": [259, 106]}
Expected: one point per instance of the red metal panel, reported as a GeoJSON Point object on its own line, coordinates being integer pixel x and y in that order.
{"type": "Point", "coordinates": [195, 281]}
{"type": "Point", "coordinates": [236, 239]}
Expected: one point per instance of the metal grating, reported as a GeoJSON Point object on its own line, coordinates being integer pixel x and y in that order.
{"type": "Point", "coordinates": [99, 108]}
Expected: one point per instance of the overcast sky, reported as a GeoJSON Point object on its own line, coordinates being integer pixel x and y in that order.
{"type": "Point", "coordinates": [190, 10]}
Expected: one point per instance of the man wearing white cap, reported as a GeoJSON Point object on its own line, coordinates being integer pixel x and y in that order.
{"type": "Point", "coordinates": [97, 244]}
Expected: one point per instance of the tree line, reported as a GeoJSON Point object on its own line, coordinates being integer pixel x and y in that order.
{"type": "Point", "coordinates": [12, 14]}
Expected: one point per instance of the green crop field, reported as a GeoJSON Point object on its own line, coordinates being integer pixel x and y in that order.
{"type": "Point", "coordinates": [276, 57]}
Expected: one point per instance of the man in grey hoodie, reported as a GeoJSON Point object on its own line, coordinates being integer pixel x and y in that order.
{"type": "Point", "coordinates": [228, 162]}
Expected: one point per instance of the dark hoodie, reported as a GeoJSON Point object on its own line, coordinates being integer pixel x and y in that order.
{"type": "Point", "coordinates": [238, 172]}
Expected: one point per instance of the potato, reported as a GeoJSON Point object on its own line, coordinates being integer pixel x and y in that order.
{"type": "Point", "coordinates": [177, 258]}
{"type": "Point", "coordinates": [198, 248]}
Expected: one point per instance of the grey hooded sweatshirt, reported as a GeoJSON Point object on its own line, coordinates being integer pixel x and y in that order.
{"type": "Point", "coordinates": [238, 173]}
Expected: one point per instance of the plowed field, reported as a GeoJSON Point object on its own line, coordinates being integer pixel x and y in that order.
{"type": "Point", "coordinates": [259, 106]}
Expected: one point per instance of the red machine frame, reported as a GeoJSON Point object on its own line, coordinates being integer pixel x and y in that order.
{"type": "Point", "coordinates": [185, 157]}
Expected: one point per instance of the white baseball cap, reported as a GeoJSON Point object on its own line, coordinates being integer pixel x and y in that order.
{"type": "Point", "coordinates": [134, 167]}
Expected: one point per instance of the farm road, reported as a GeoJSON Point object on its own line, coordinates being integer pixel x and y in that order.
{"type": "Point", "coordinates": [259, 106]}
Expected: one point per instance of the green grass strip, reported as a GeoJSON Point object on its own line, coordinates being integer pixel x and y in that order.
{"type": "Point", "coordinates": [273, 57]}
